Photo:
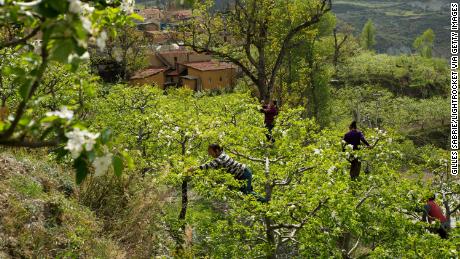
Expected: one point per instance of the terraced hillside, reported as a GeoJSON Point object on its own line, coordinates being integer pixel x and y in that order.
{"type": "Point", "coordinates": [398, 23]}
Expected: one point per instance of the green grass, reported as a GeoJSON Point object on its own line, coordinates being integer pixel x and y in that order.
{"type": "Point", "coordinates": [26, 186]}
{"type": "Point", "coordinates": [366, 4]}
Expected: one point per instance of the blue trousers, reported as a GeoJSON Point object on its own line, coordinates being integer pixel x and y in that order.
{"type": "Point", "coordinates": [246, 188]}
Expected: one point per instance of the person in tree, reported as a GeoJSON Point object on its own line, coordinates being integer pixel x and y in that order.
{"type": "Point", "coordinates": [238, 170]}
{"type": "Point", "coordinates": [432, 212]}
{"type": "Point", "coordinates": [354, 137]}
{"type": "Point", "coordinates": [270, 111]}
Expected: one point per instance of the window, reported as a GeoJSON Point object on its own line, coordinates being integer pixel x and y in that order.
{"type": "Point", "coordinates": [220, 78]}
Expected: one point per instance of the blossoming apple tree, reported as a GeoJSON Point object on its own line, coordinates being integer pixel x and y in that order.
{"type": "Point", "coordinates": [35, 35]}
{"type": "Point", "coordinates": [314, 208]}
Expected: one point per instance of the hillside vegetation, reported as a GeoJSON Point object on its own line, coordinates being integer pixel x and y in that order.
{"type": "Point", "coordinates": [398, 23]}
{"type": "Point", "coordinates": [345, 166]}
{"type": "Point", "coordinates": [41, 216]}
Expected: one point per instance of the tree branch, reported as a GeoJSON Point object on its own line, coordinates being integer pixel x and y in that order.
{"type": "Point", "coordinates": [325, 7]}
{"type": "Point", "coordinates": [304, 221]}
{"type": "Point", "coordinates": [455, 209]}
{"type": "Point", "coordinates": [288, 180]}
{"type": "Point", "coordinates": [254, 159]}
{"type": "Point", "coordinates": [28, 144]}
{"type": "Point", "coordinates": [353, 248]}
{"type": "Point", "coordinates": [366, 196]}
{"type": "Point", "coordinates": [22, 40]}
{"type": "Point", "coordinates": [22, 106]}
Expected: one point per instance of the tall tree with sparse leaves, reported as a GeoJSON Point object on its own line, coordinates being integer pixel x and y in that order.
{"type": "Point", "coordinates": [424, 44]}
{"type": "Point", "coordinates": [368, 35]}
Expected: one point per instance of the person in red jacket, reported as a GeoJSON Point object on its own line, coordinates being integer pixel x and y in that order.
{"type": "Point", "coordinates": [432, 212]}
{"type": "Point", "coordinates": [270, 111]}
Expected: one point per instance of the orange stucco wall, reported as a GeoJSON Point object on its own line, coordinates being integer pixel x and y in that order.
{"type": "Point", "coordinates": [214, 79]}
{"type": "Point", "coordinates": [189, 83]}
{"type": "Point", "coordinates": [157, 79]}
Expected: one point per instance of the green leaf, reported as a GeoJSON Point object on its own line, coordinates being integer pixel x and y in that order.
{"type": "Point", "coordinates": [24, 89]}
{"type": "Point", "coordinates": [49, 119]}
{"type": "Point", "coordinates": [62, 49]}
{"type": "Point", "coordinates": [105, 136]}
{"type": "Point", "coordinates": [91, 155]}
{"type": "Point", "coordinates": [24, 121]}
{"type": "Point", "coordinates": [137, 17]}
{"type": "Point", "coordinates": [129, 160]}
{"type": "Point", "coordinates": [49, 8]}
{"type": "Point", "coordinates": [81, 165]}
{"type": "Point", "coordinates": [117, 163]}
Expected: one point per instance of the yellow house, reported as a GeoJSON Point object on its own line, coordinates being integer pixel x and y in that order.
{"type": "Point", "coordinates": [209, 75]}
{"type": "Point", "coordinates": [150, 76]}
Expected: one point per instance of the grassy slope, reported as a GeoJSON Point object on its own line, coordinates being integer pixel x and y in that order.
{"type": "Point", "coordinates": [398, 23]}
{"type": "Point", "coordinates": [40, 216]}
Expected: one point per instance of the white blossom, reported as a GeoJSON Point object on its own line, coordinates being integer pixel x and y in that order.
{"type": "Point", "coordinates": [334, 214]}
{"type": "Point", "coordinates": [331, 169]}
{"type": "Point", "coordinates": [75, 6]}
{"type": "Point", "coordinates": [87, 25]}
{"type": "Point", "coordinates": [349, 147]}
{"type": "Point", "coordinates": [87, 8]}
{"type": "Point", "coordinates": [317, 151]}
{"type": "Point", "coordinates": [100, 41]}
{"type": "Point", "coordinates": [79, 140]}
{"type": "Point", "coordinates": [85, 55]}
{"type": "Point", "coordinates": [101, 164]}
{"type": "Point", "coordinates": [73, 56]}
{"type": "Point", "coordinates": [127, 6]}
{"type": "Point", "coordinates": [64, 113]}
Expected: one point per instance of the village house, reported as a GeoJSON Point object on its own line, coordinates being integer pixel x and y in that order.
{"type": "Point", "coordinates": [209, 75]}
{"type": "Point", "coordinates": [172, 66]}
{"type": "Point", "coordinates": [150, 76]}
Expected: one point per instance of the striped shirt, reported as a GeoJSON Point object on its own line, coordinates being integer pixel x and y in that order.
{"type": "Point", "coordinates": [224, 161]}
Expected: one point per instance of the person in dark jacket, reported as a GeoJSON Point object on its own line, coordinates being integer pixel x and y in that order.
{"type": "Point", "coordinates": [432, 212]}
{"type": "Point", "coordinates": [239, 171]}
{"type": "Point", "coordinates": [270, 111]}
{"type": "Point", "coordinates": [354, 137]}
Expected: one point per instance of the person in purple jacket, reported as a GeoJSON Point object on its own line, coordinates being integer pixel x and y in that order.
{"type": "Point", "coordinates": [354, 137]}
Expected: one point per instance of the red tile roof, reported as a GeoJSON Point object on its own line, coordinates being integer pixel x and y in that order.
{"type": "Point", "coordinates": [147, 72]}
{"type": "Point", "coordinates": [180, 14]}
{"type": "Point", "coordinates": [173, 73]}
{"type": "Point", "coordinates": [210, 65]}
{"type": "Point", "coordinates": [175, 51]}
{"type": "Point", "coordinates": [151, 13]}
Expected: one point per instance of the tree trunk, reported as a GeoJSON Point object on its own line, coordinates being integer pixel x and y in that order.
{"type": "Point", "coordinates": [184, 205]}
{"type": "Point", "coordinates": [269, 232]}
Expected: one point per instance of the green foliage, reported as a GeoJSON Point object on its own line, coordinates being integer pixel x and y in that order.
{"type": "Point", "coordinates": [37, 36]}
{"type": "Point", "coordinates": [314, 208]}
{"type": "Point", "coordinates": [424, 44]}
{"type": "Point", "coordinates": [368, 36]}
{"type": "Point", "coordinates": [404, 75]}
{"type": "Point", "coordinates": [261, 33]}
{"type": "Point", "coordinates": [39, 219]}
